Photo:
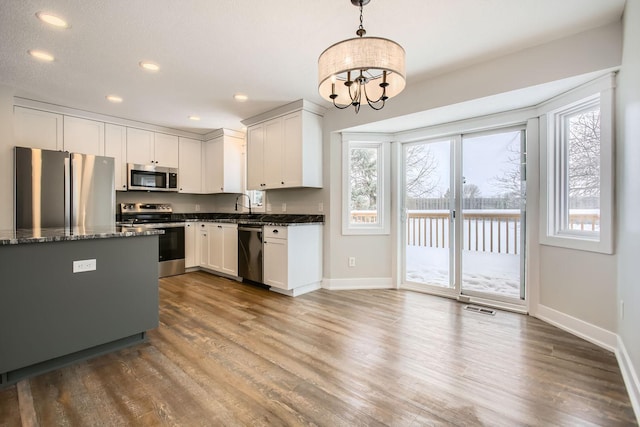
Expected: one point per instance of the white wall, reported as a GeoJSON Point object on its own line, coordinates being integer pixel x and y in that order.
{"type": "Point", "coordinates": [628, 190]}
{"type": "Point", "coordinates": [579, 284]}
{"type": "Point", "coordinates": [6, 158]}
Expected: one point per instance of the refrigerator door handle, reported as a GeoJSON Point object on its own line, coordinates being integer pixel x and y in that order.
{"type": "Point", "coordinates": [67, 193]}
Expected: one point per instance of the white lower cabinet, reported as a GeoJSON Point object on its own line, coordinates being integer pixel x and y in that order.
{"type": "Point", "coordinates": [202, 244]}
{"type": "Point", "coordinates": [190, 245]}
{"type": "Point", "coordinates": [292, 257]}
{"type": "Point", "coordinates": [219, 247]}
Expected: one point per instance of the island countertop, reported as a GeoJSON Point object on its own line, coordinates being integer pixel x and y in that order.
{"type": "Point", "coordinates": [43, 235]}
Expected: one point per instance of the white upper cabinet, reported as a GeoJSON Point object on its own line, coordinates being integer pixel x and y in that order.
{"type": "Point", "coordinates": [37, 129]}
{"type": "Point", "coordinates": [272, 154]}
{"type": "Point", "coordinates": [166, 150]}
{"type": "Point", "coordinates": [285, 151]}
{"type": "Point", "coordinates": [146, 147]}
{"type": "Point", "coordinates": [190, 165]}
{"type": "Point", "coordinates": [139, 146]}
{"type": "Point", "coordinates": [255, 157]}
{"type": "Point", "coordinates": [83, 136]}
{"type": "Point", "coordinates": [115, 145]}
{"type": "Point", "coordinates": [223, 164]}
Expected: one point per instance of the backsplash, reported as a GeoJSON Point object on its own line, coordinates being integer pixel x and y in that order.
{"type": "Point", "coordinates": [305, 201]}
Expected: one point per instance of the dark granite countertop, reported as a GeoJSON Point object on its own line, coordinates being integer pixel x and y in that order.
{"type": "Point", "coordinates": [257, 219]}
{"type": "Point", "coordinates": [15, 237]}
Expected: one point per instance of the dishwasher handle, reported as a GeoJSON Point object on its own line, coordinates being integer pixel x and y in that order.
{"type": "Point", "coordinates": [249, 228]}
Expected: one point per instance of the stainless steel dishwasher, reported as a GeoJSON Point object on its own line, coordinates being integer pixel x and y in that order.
{"type": "Point", "coordinates": [250, 252]}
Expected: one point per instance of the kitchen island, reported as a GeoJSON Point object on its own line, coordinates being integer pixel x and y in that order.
{"type": "Point", "coordinates": [68, 295]}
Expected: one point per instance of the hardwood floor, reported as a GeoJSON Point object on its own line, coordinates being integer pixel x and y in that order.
{"type": "Point", "coordinates": [227, 353]}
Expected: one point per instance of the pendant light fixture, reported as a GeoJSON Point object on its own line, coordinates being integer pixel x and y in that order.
{"type": "Point", "coordinates": [361, 70]}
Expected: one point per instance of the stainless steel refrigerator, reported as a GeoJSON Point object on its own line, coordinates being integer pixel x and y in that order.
{"type": "Point", "coordinates": [57, 189]}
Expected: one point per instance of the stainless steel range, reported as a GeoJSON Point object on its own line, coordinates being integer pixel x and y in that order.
{"type": "Point", "coordinates": [158, 215]}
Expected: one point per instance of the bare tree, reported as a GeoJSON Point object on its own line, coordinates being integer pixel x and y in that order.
{"type": "Point", "coordinates": [510, 180]}
{"type": "Point", "coordinates": [584, 154]}
{"type": "Point", "coordinates": [420, 167]}
{"type": "Point", "coordinates": [470, 191]}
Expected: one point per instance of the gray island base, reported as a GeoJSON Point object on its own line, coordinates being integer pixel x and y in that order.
{"type": "Point", "coordinates": [51, 317]}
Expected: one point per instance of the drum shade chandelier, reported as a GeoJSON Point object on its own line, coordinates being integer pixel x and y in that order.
{"type": "Point", "coordinates": [361, 69]}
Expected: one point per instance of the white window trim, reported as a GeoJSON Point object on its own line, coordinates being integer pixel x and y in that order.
{"type": "Point", "coordinates": [603, 88]}
{"type": "Point", "coordinates": [383, 143]}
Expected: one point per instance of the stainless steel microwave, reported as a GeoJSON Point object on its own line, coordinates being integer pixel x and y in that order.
{"type": "Point", "coordinates": [151, 178]}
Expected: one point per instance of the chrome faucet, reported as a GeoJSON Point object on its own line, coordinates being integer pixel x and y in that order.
{"type": "Point", "coordinates": [238, 197]}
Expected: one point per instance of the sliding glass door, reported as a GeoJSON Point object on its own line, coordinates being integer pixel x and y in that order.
{"type": "Point", "coordinates": [463, 215]}
{"type": "Point", "coordinates": [492, 217]}
{"type": "Point", "coordinates": [428, 209]}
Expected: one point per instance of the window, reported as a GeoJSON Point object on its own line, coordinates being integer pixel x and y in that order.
{"type": "Point", "coordinates": [578, 182]}
{"type": "Point", "coordinates": [366, 202]}
{"type": "Point", "coordinates": [257, 200]}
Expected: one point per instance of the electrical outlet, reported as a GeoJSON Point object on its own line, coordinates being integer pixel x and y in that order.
{"type": "Point", "coordinates": [320, 207]}
{"type": "Point", "coordinates": [197, 208]}
{"type": "Point", "coordinates": [284, 207]}
{"type": "Point", "coordinates": [352, 261]}
{"type": "Point", "coordinates": [621, 309]}
{"type": "Point", "coordinates": [81, 266]}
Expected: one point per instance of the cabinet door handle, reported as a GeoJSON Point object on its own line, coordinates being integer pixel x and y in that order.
{"type": "Point", "coordinates": [282, 182]}
{"type": "Point", "coordinates": [219, 226]}
{"type": "Point", "coordinates": [275, 231]}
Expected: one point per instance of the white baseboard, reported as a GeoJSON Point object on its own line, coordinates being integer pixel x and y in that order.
{"type": "Point", "coordinates": [592, 333]}
{"type": "Point", "coordinates": [358, 283]}
{"type": "Point", "coordinates": [298, 291]}
{"type": "Point", "coordinates": [630, 377]}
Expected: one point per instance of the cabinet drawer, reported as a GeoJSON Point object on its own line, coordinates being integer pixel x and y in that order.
{"type": "Point", "coordinates": [275, 232]}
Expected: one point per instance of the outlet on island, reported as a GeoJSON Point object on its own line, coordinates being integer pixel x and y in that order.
{"type": "Point", "coordinates": [81, 266]}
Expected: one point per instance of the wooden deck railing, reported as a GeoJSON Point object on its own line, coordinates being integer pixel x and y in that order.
{"type": "Point", "coordinates": [497, 232]}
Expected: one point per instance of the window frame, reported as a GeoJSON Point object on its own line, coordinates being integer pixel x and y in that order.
{"type": "Point", "coordinates": [383, 200]}
{"type": "Point", "coordinates": [554, 167]}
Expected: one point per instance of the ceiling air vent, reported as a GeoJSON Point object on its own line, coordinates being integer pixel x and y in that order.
{"type": "Point", "coordinates": [480, 310]}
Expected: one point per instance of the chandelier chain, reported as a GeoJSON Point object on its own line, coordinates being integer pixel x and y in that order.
{"type": "Point", "coordinates": [361, 31]}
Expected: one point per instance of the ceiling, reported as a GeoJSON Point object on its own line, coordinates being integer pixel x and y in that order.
{"type": "Point", "coordinates": [208, 50]}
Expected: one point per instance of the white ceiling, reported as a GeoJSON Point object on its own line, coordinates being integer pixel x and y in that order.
{"type": "Point", "coordinates": [210, 49]}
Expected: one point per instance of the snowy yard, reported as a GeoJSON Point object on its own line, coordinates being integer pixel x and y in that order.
{"type": "Point", "coordinates": [481, 271]}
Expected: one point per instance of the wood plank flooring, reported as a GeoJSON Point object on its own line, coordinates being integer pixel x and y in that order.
{"type": "Point", "coordinates": [231, 354]}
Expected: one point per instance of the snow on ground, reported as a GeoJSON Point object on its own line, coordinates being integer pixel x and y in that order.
{"type": "Point", "coordinates": [481, 271]}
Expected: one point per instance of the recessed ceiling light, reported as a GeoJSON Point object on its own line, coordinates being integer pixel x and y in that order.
{"type": "Point", "coordinates": [114, 98]}
{"type": "Point", "coordinates": [41, 55]}
{"type": "Point", "coordinates": [149, 66]}
{"type": "Point", "coordinates": [240, 97]}
{"type": "Point", "coordinates": [194, 118]}
{"type": "Point", "coordinates": [50, 19]}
